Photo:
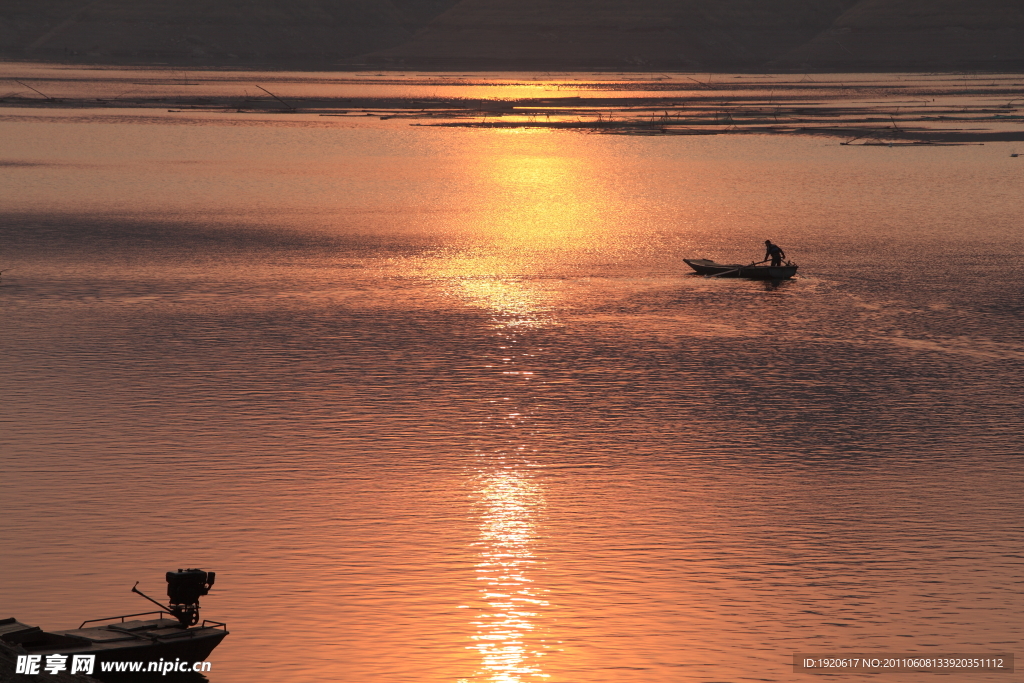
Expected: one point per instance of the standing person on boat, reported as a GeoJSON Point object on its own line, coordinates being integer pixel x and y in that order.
{"type": "Point", "coordinates": [773, 252]}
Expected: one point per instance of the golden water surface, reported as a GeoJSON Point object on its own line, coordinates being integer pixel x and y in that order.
{"type": "Point", "coordinates": [446, 405]}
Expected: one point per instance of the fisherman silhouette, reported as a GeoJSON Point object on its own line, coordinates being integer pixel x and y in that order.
{"type": "Point", "coordinates": [773, 252]}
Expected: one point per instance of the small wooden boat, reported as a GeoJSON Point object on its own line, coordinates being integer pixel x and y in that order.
{"type": "Point", "coordinates": [753, 271]}
{"type": "Point", "coordinates": [124, 641]}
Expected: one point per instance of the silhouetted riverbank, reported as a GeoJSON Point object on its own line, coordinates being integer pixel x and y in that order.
{"type": "Point", "coordinates": [916, 109]}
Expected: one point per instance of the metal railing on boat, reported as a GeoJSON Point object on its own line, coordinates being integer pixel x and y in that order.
{"type": "Point", "coordinates": [207, 623]}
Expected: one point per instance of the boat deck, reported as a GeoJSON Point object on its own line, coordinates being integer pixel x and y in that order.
{"type": "Point", "coordinates": [121, 636]}
{"type": "Point", "coordinates": [752, 271]}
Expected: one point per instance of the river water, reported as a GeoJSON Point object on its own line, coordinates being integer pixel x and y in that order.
{"type": "Point", "coordinates": [444, 405]}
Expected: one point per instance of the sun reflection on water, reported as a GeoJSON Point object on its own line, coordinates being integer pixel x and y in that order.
{"type": "Point", "coordinates": [541, 217]}
{"type": "Point", "coordinates": [508, 620]}
{"type": "Point", "coordinates": [512, 303]}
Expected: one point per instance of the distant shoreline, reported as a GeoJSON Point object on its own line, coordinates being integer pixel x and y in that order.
{"type": "Point", "coordinates": [917, 109]}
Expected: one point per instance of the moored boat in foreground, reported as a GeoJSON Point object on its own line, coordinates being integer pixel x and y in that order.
{"type": "Point", "coordinates": [172, 636]}
{"type": "Point", "coordinates": [753, 271]}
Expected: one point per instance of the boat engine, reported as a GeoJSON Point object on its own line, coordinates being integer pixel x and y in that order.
{"type": "Point", "coordinates": [184, 588]}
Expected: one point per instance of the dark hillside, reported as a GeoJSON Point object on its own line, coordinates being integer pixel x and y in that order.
{"type": "Point", "coordinates": [309, 32]}
{"type": "Point", "coordinates": [919, 34]}
{"type": "Point", "coordinates": [565, 34]}
{"type": "Point", "coordinates": [712, 35]}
